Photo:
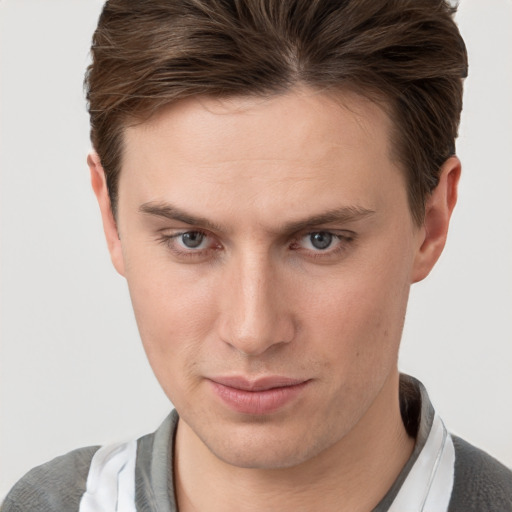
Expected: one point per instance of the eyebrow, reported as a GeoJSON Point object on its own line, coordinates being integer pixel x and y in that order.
{"type": "Point", "coordinates": [168, 211]}
{"type": "Point", "coordinates": [338, 215]}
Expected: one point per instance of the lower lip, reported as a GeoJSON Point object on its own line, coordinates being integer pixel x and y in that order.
{"type": "Point", "coordinates": [257, 402]}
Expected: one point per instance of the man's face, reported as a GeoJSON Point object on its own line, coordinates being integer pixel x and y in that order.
{"type": "Point", "coordinates": [269, 249]}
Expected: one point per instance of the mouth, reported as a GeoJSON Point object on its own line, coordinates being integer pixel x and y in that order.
{"type": "Point", "coordinates": [261, 396]}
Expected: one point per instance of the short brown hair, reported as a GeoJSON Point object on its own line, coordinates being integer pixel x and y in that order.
{"type": "Point", "coordinates": [149, 53]}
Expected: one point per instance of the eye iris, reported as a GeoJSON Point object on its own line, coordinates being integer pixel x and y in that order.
{"type": "Point", "coordinates": [321, 240]}
{"type": "Point", "coordinates": [192, 239]}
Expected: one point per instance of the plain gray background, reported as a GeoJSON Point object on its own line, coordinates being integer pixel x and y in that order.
{"type": "Point", "coordinates": [73, 372]}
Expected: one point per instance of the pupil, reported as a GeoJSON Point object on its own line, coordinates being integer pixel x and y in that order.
{"type": "Point", "coordinates": [321, 240]}
{"type": "Point", "coordinates": [192, 239]}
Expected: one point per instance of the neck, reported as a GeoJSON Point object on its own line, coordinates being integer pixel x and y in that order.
{"type": "Point", "coordinates": [337, 479]}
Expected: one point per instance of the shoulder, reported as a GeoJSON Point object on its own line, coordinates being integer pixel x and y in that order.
{"type": "Point", "coordinates": [56, 486]}
{"type": "Point", "coordinates": [118, 476]}
{"type": "Point", "coordinates": [481, 483]}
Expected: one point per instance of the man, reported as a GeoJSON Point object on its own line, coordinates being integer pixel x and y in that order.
{"type": "Point", "coordinates": [272, 177]}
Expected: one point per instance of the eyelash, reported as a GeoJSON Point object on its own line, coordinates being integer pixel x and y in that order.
{"type": "Point", "coordinates": [167, 241]}
{"type": "Point", "coordinates": [344, 240]}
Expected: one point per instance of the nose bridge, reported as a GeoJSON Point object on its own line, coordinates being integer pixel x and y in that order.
{"type": "Point", "coordinates": [255, 316]}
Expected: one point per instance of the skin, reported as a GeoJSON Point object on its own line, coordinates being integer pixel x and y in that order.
{"type": "Point", "coordinates": [257, 297]}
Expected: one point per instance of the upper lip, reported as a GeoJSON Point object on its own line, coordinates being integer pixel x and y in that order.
{"type": "Point", "coordinates": [257, 384]}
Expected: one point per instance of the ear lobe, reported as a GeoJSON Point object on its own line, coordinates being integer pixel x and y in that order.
{"type": "Point", "coordinates": [438, 211]}
{"type": "Point", "coordinates": [99, 186]}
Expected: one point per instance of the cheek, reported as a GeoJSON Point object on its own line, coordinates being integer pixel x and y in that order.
{"type": "Point", "coordinates": [173, 328]}
{"type": "Point", "coordinates": [173, 310]}
{"type": "Point", "coordinates": [359, 318]}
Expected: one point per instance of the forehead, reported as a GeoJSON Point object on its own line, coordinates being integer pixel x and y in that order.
{"type": "Point", "coordinates": [257, 121]}
{"type": "Point", "coordinates": [292, 148]}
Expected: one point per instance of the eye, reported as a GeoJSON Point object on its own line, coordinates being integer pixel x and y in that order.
{"type": "Point", "coordinates": [324, 246]}
{"type": "Point", "coordinates": [321, 240]}
{"type": "Point", "coordinates": [189, 244]}
{"type": "Point", "coordinates": [192, 239]}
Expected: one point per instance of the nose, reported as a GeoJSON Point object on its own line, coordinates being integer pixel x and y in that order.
{"type": "Point", "coordinates": [255, 313]}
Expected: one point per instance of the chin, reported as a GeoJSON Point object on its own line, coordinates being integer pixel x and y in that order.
{"type": "Point", "coordinates": [263, 448]}
{"type": "Point", "coordinates": [261, 458]}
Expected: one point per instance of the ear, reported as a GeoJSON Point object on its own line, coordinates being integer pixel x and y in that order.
{"type": "Point", "coordinates": [99, 185]}
{"type": "Point", "coordinates": [438, 211]}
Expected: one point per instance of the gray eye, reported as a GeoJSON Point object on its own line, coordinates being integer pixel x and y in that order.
{"type": "Point", "coordinates": [192, 239]}
{"type": "Point", "coordinates": [321, 240]}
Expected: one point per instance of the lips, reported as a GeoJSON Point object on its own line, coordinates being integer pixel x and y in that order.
{"type": "Point", "coordinates": [262, 396]}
